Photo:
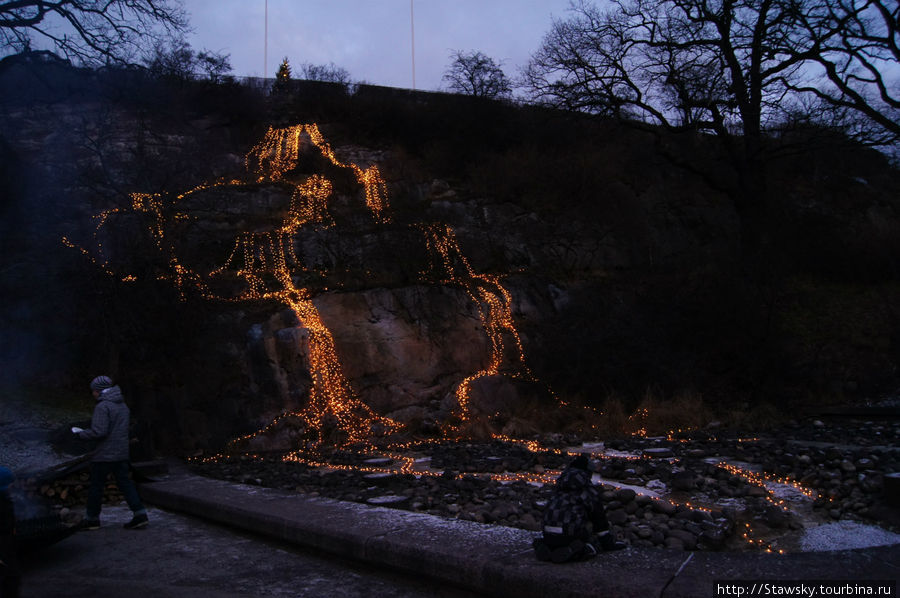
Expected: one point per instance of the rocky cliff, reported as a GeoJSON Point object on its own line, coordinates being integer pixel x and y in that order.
{"type": "Point", "coordinates": [337, 278]}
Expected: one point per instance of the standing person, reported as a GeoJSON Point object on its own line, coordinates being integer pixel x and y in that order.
{"type": "Point", "coordinates": [109, 425]}
{"type": "Point", "coordinates": [574, 523]}
{"type": "Point", "coordinates": [10, 576]}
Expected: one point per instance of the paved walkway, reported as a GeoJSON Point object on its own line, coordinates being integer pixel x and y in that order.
{"type": "Point", "coordinates": [180, 556]}
{"type": "Point", "coordinates": [495, 560]}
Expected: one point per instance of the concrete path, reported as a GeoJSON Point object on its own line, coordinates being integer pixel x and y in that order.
{"type": "Point", "coordinates": [179, 556]}
{"type": "Point", "coordinates": [495, 560]}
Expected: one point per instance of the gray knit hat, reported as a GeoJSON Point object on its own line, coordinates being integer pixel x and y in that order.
{"type": "Point", "coordinates": [101, 383]}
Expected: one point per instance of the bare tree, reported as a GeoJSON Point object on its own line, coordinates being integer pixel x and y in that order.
{"type": "Point", "coordinates": [325, 72]}
{"type": "Point", "coordinates": [476, 74]}
{"type": "Point", "coordinates": [178, 61]}
{"type": "Point", "coordinates": [172, 61]}
{"type": "Point", "coordinates": [856, 44]}
{"type": "Point", "coordinates": [735, 68]}
{"type": "Point", "coordinates": [215, 64]}
{"type": "Point", "coordinates": [91, 31]}
{"type": "Point", "coordinates": [721, 65]}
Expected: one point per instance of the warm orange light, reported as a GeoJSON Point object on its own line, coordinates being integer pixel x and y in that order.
{"type": "Point", "coordinates": [266, 262]}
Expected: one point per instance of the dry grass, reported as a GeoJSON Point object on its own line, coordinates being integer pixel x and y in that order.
{"type": "Point", "coordinates": [758, 417]}
{"type": "Point", "coordinates": [613, 422]}
{"type": "Point", "coordinates": [684, 411]}
{"type": "Point", "coordinates": [518, 427]}
{"type": "Point", "coordinates": [477, 429]}
{"type": "Point", "coordinates": [654, 415]}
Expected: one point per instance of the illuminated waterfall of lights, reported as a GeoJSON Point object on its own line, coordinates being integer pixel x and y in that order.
{"type": "Point", "coordinates": [256, 257]}
{"type": "Point", "coordinates": [259, 256]}
{"type": "Point", "coordinates": [483, 290]}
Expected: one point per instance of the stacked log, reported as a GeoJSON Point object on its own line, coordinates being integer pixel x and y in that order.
{"type": "Point", "coordinates": [71, 490]}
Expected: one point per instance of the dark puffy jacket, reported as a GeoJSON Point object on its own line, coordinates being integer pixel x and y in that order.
{"type": "Point", "coordinates": [575, 505]}
{"type": "Point", "coordinates": [109, 425]}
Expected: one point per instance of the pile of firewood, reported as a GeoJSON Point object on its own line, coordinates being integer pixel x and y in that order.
{"type": "Point", "coordinates": [71, 490]}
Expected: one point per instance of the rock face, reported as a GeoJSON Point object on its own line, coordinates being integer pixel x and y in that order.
{"type": "Point", "coordinates": [404, 350]}
{"type": "Point", "coordinates": [493, 272]}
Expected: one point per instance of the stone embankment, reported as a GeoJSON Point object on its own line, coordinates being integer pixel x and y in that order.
{"type": "Point", "coordinates": [709, 490]}
{"type": "Point", "coordinates": [641, 519]}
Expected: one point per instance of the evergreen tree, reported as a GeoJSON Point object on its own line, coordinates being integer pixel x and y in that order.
{"type": "Point", "coordinates": [282, 78]}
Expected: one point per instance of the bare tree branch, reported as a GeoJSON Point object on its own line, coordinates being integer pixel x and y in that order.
{"type": "Point", "coordinates": [723, 66]}
{"type": "Point", "coordinates": [475, 74]}
{"type": "Point", "coordinates": [859, 55]}
{"type": "Point", "coordinates": [742, 70]}
{"type": "Point", "coordinates": [91, 32]}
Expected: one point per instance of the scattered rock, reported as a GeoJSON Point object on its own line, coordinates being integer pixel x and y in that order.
{"type": "Point", "coordinates": [625, 495]}
{"type": "Point", "coordinates": [684, 480]}
{"type": "Point", "coordinates": [851, 484]}
{"type": "Point", "coordinates": [847, 466]}
{"type": "Point", "coordinates": [776, 517]}
{"type": "Point", "coordinates": [658, 452]}
{"type": "Point", "coordinates": [617, 516]}
{"type": "Point", "coordinates": [688, 540]}
{"type": "Point", "coordinates": [388, 500]}
{"type": "Point", "coordinates": [664, 507]}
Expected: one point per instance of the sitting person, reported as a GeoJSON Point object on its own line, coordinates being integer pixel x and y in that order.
{"type": "Point", "coordinates": [574, 523]}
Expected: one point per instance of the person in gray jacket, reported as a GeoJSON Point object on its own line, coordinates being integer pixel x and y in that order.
{"type": "Point", "coordinates": [109, 425]}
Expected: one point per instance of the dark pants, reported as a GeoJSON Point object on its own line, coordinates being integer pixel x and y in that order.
{"type": "Point", "coordinates": [596, 533]}
{"type": "Point", "coordinates": [99, 472]}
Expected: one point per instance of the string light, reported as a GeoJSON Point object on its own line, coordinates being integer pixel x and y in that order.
{"type": "Point", "coordinates": [265, 262]}
{"type": "Point", "coordinates": [762, 481]}
{"type": "Point", "coordinates": [492, 301]}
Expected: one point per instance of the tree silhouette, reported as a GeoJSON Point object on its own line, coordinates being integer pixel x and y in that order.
{"type": "Point", "coordinates": [215, 64]}
{"type": "Point", "coordinates": [282, 78]}
{"type": "Point", "coordinates": [175, 61]}
{"type": "Point", "coordinates": [179, 62]}
{"type": "Point", "coordinates": [857, 47]}
{"type": "Point", "coordinates": [740, 69]}
{"type": "Point", "coordinates": [92, 31]}
{"type": "Point", "coordinates": [325, 72]}
{"type": "Point", "coordinates": [476, 74]}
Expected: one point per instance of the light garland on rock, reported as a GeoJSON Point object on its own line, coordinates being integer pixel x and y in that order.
{"type": "Point", "coordinates": [265, 261]}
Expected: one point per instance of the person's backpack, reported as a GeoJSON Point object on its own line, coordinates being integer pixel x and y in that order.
{"type": "Point", "coordinates": [567, 514]}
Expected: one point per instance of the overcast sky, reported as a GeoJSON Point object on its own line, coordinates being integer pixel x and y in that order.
{"type": "Point", "coordinates": [371, 39]}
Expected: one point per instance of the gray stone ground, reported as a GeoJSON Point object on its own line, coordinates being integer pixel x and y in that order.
{"type": "Point", "coordinates": [495, 560]}
{"type": "Point", "coordinates": [183, 557]}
